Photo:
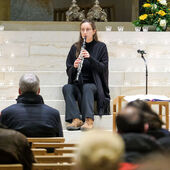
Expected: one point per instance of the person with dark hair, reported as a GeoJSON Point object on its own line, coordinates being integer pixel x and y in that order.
{"type": "Point", "coordinates": [151, 117]}
{"type": "Point", "coordinates": [90, 66]}
{"type": "Point", "coordinates": [133, 128]}
{"type": "Point", "coordinates": [30, 115]}
{"type": "Point", "coordinates": [131, 120]}
{"type": "Point", "coordinates": [14, 148]}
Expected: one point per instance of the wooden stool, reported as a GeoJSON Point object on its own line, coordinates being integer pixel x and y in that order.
{"type": "Point", "coordinates": [117, 106]}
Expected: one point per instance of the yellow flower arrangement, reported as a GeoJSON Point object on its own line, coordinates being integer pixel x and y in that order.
{"type": "Point", "coordinates": [155, 13]}
{"type": "Point", "coordinates": [147, 5]}
{"type": "Point", "coordinates": [162, 13]}
{"type": "Point", "coordinates": [143, 17]}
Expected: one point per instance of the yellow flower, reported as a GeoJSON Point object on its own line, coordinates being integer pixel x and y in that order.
{"type": "Point", "coordinates": [146, 5]}
{"type": "Point", "coordinates": [158, 0]}
{"type": "Point", "coordinates": [162, 13]}
{"type": "Point", "coordinates": [143, 17]}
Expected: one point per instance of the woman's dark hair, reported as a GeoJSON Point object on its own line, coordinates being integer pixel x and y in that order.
{"type": "Point", "coordinates": [80, 41]}
{"type": "Point", "coordinates": [151, 117]}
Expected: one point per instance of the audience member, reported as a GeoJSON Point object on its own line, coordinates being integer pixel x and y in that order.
{"type": "Point", "coordinates": [14, 148]}
{"type": "Point", "coordinates": [100, 150]}
{"type": "Point", "coordinates": [30, 115]}
{"type": "Point", "coordinates": [131, 124]}
{"type": "Point", "coordinates": [155, 123]}
{"type": "Point", "coordinates": [165, 143]}
{"type": "Point", "coordinates": [131, 119]}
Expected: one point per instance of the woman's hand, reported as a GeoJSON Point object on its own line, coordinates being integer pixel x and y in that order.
{"type": "Point", "coordinates": [85, 54]}
{"type": "Point", "coordinates": [76, 62]}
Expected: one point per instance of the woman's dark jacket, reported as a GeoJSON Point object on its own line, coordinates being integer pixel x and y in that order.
{"type": "Point", "coordinates": [99, 70]}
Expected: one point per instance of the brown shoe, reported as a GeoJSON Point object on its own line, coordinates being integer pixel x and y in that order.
{"type": "Point", "coordinates": [75, 125]}
{"type": "Point", "coordinates": [88, 124]}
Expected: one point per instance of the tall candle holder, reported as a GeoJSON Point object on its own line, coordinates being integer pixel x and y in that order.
{"type": "Point", "coordinates": [96, 13]}
{"type": "Point", "coordinates": [74, 13]}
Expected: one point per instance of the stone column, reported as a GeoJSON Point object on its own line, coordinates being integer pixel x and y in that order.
{"type": "Point", "coordinates": [135, 9]}
{"type": "Point", "coordinates": [4, 10]}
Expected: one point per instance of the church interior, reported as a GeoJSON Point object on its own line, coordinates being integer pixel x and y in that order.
{"type": "Point", "coordinates": [36, 36]}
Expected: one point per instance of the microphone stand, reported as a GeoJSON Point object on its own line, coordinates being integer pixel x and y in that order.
{"type": "Point", "coordinates": [142, 56]}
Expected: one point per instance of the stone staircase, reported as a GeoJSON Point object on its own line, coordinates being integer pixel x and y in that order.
{"type": "Point", "coordinates": [45, 52]}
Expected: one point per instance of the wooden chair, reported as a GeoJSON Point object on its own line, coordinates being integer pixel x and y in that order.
{"type": "Point", "coordinates": [40, 151]}
{"type": "Point", "coordinates": [52, 145]}
{"type": "Point", "coordinates": [48, 140]}
{"type": "Point", "coordinates": [117, 106]}
{"type": "Point", "coordinates": [62, 151]}
{"type": "Point", "coordinates": [54, 159]}
{"type": "Point", "coordinates": [10, 167]}
{"type": "Point", "coordinates": [53, 166]}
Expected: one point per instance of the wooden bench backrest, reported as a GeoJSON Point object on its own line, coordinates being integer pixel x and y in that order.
{"type": "Point", "coordinates": [61, 151]}
{"type": "Point", "coordinates": [10, 167]}
{"type": "Point", "coordinates": [52, 145]}
{"type": "Point", "coordinates": [45, 166]}
{"type": "Point", "coordinates": [39, 166]}
{"type": "Point", "coordinates": [48, 140]}
{"type": "Point", "coordinates": [54, 159]}
{"type": "Point", "coordinates": [37, 151]}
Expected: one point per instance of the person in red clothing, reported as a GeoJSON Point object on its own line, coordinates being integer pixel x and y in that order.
{"type": "Point", "coordinates": [128, 166]}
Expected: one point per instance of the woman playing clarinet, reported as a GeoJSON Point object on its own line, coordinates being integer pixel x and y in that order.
{"type": "Point", "coordinates": [87, 70]}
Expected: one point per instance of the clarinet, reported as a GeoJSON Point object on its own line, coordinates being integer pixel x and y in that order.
{"type": "Point", "coordinates": [82, 60]}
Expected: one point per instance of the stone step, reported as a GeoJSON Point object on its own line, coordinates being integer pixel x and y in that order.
{"type": "Point", "coordinates": [105, 122]}
{"type": "Point", "coordinates": [137, 64]}
{"type": "Point", "coordinates": [128, 38]}
{"type": "Point", "coordinates": [116, 78]}
{"type": "Point", "coordinates": [49, 93]}
{"type": "Point", "coordinates": [74, 136]}
{"type": "Point", "coordinates": [58, 63]}
{"type": "Point", "coordinates": [54, 93]}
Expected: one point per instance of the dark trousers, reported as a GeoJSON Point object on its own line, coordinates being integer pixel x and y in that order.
{"type": "Point", "coordinates": [79, 100]}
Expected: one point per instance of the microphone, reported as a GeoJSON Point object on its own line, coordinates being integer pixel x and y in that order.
{"type": "Point", "coordinates": [141, 51]}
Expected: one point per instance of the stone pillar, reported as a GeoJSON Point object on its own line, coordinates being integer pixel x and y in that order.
{"type": "Point", "coordinates": [32, 10]}
{"type": "Point", "coordinates": [135, 9]}
{"type": "Point", "coordinates": [4, 10]}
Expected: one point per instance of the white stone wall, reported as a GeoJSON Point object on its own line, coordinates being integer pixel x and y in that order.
{"type": "Point", "coordinates": [45, 52]}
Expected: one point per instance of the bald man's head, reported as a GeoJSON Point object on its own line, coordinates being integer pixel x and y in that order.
{"type": "Point", "coordinates": [131, 119]}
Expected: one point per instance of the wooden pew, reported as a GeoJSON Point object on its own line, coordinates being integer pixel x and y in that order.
{"type": "Point", "coordinates": [54, 159]}
{"type": "Point", "coordinates": [10, 167]}
{"type": "Point", "coordinates": [53, 145]}
{"type": "Point", "coordinates": [39, 166]}
{"type": "Point", "coordinates": [53, 166]}
{"type": "Point", "coordinates": [41, 151]}
{"type": "Point", "coordinates": [61, 151]}
{"type": "Point", "coordinates": [48, 140]}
